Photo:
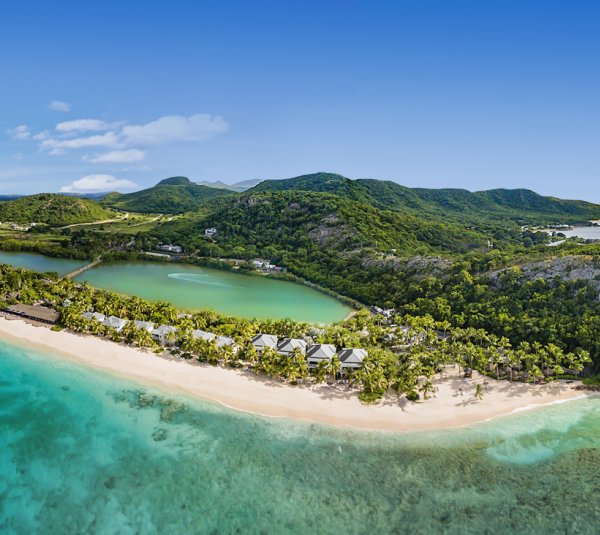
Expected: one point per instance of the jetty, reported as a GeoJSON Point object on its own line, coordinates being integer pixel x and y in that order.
{"type": "Point", "coordinates": [80, 270]}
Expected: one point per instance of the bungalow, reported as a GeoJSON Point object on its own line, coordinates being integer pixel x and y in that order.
{"type": "Point", "coordinates": [161, 333]}
{"type": "Point", "coordinates": [210, 232]}
{"type": "Point", "coordinates": [177, 249]}
{"type": "Point", "coordinates": [319, 352]}
{"type": "Point", "coordinates": [225, 341]}
{"type": "Point", "coordinates": [144, 325]}
{"type": "Point", "coordinates": [352, 357]}
{"type": "Point", "coordinates": [287, 346]}
{"type": "Point", "coordinates": [203, 335]}
{"type": "Point", "coordinates": [115, 323]}
{"type": "Point", "coordinates": [94, 316]}
{"type": "Point", "coordinates": [263, 341]}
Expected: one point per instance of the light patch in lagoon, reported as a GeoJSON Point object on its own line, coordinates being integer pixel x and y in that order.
{"type": "Point", "coordinates": [198, 278]}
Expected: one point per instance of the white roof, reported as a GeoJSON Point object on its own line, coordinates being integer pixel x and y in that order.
{"type": "Point", "coordinates": [114, 322]}
{"type": "Point", "coordinates": [94, 315]}
{"type": "Point", "coordinates": [144, 325]}
{"type": "Point", "coordinates": [204, 335]}
{"type": "Point", "coordinates": [164, 329]}
{"type": "Point", "coordinates": [225, 341]}
{"type": "Point", "coordinates": [265, 340]}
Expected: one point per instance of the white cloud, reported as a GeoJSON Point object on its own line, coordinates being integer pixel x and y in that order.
{"type": "Point", "coordinates": [120, 156]}
{"type": "Point", "coordinates": [20, 132]}
{"type": "Point", "coordinates": [83, 125]}
{"type": "Point", "coordinates": [41, 136]}
{"type": "Point", "coordinates": [97, 183]}
{"type": "Point", "coordinates": [109, 139]}
{"type": "Point", "coordinates": [172, 128]}
{"type": "Point", "coordinates": [58, 105]}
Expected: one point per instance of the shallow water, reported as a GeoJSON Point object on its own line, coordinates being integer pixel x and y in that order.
{"type": "Point", "coordinates": [38, 262]}
{"type": "Point", "coordinates": [85, 452]}
{"type": "Point", "coordinates": [194, 287]}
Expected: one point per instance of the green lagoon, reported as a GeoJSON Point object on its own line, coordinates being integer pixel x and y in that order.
{"type": "Point", "coordinates": [86, 452]}
{"type": "Point", "coordinates": [194, 287]}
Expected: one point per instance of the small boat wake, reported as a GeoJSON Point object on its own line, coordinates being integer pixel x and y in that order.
{"type": "Point", "coordinates": [199, 278]}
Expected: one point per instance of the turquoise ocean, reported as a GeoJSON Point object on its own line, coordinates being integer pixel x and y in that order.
{"type": "Point", "coordinates": [82, 451]}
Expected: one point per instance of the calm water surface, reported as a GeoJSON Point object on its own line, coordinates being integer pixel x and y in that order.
{"type": "Point", "coordinates": [38, 262]}
{"type": "Point", "coordinates": [194, 287]}
{"type": "Point", "coordinates": [85, 452]}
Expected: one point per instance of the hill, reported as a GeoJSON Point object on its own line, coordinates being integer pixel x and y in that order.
{"type": "Point", "coordinates": [518, 206]}
{"type": "Point", "coordinates": [334, 241]}
{"type": "Point", "coordinates": [238, 186]}
{"type": "Point", "coordinates": [52, 209]}
{"type": "Point", "coordinates": [173, 195]}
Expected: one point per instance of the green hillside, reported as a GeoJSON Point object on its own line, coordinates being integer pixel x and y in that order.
{"type": "Point", "coordinates": [173, 195]}
{"type": "Point", "coordinates": [325, 238]}
{"type": "Point", "coordinates": [53, 209]}
{"type": "Point", "coordinates": [518, 206]}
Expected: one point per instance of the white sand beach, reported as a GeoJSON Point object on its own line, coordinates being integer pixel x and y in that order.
{"type": "Point", "coordinates": [453, 406]}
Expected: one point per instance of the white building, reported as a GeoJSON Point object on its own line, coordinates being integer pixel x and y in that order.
{"type": "Point", "coordinates": [263, 341]}
{"type": "Point", "coordinates": [94, 316]}
{"type": "Point", "coordinates": [115, 323]}
{"type": "Point", "coordinates": [203, 335]}
{"type": "Point", "coordinates": [319, 352]}
{"type": "Point", "coordinates": [287, 346]}
{"type": "Point", "coordinates": [161, 333]}
{"type": "Point", "coordinates": [144, 325]}
{"type": "Point", "coordinates": [352, 357]}
{"type": "Point", "coordinates": [210, 232]}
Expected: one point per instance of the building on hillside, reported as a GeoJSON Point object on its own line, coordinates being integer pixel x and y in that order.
{"type": "Point", "coordinates": [144, 325]}
{"type": "Point", "coordinates": [210, 232]}
{"type": "Point", "coordinates": [287, 346]}
{"type": "Point", "coordinates": [162, 332]}
{"type": "Point", "coordinates": [35, 313]}
{"type": "Point", "coordinates": [115, 323]}
{"type": "Point", "coordinates": [264, 341]}
{"type": "Point", "coordinates": [94, 316]}
{"type": "Point", "coordinates": [319, 352]}
{"type": "Point", "coordinates": [352, 357]}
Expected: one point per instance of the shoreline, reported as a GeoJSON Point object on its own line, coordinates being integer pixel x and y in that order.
{"type": "Point", "coordinates": [454, 406]}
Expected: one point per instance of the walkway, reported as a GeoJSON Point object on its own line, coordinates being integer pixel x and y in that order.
{"type": "Point", "coordinates": [79, 271]}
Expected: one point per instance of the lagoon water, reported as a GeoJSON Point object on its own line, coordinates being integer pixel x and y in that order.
{"type": "Point", "coordinates": [86, 452]}
{"type": "Point", "coordinates": [194, 287]}
{"type": "Point", "coordinates": [38, 262]}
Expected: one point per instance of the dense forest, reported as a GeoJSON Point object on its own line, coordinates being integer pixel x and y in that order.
{"type": "Point", "coordinates": [52, 209]}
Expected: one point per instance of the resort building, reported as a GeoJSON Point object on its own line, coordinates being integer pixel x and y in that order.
{"type": "Point", "coordinates": [144, 325]}
{"type": "Point", "coordinates": [176, 249]}
{"type": "Point", "coordinates": [225, 341]}
{"type": "Point", "coordinates": [287, 346]}
{"type": "Point", "coordinates": [263, 341]}
{"type": "Point", "coordinates": [210, 232]}
{"type": "Point", "coordinates": [33, 312]}
{"type": "Point", "coordinates": [352, 357]}
{"type": "Point", "coordinates": [319, 352]}
{"type": "Point", "coordinates": [94, 316]}
{"type": "Point", "coordinates": [115, 323]}
{"type": "Point", "coordinates": [203, 335]}
{"type": "Point", "coordinates": [161, 333]}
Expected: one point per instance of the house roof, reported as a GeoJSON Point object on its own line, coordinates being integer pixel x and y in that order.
{"type": "Point", "coordinates": [144, 325]}
{"type": "Point", "coordinates": [161, 330]}
{"type": "Point", "coordinates": [321, 351]}
{"type": "Point", "coordinates": [114, 322]}
{"type": "Point", "coordinates": [265, 340]}
{"type": "Point", "coordinates": [225, 341]}
{"type": "Point", "coordinates": [288, 345]}
{"type": "Point", "coordinates": [94, 316]}
{"type": "Point", "coordinates": [35, 312]}
{"type": "Point", "coordinates": [352, 355]}
{"type": "Point", "coordinates": [204, 335]}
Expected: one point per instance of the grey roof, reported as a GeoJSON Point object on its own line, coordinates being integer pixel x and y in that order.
{"type": "Point", "coordinates": [144, 325]}
{"type": "Point", "coordinates": [225, 341]}
{"type": "Point", "coordinates": [352, 357]}
{"type": "Point", "coordinates": [163, 330]}
{"type": "Point", "coordinates": [204, 335]}
{"type": "Point", "coordinates": [265, 340]}
{"type": "Point", "coordinates": [288, 345]}
{"type": "Point", "coordinates": [320, 352]}
{"type": "Point", "coordinates": [115, 323]}
{"type": "Point", "coordinates": [94, 316]}
{"type": "Point", "coordinates": [34, 312]}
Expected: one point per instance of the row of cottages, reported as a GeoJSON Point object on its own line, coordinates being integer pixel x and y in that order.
{"type": "Point", "coordinates": [350, 357]}
{"type": "Point", "coordinates": [111, 321]}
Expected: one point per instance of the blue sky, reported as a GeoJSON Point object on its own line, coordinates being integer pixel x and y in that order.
{"type": "Point", "coordinates": [445, 93]}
